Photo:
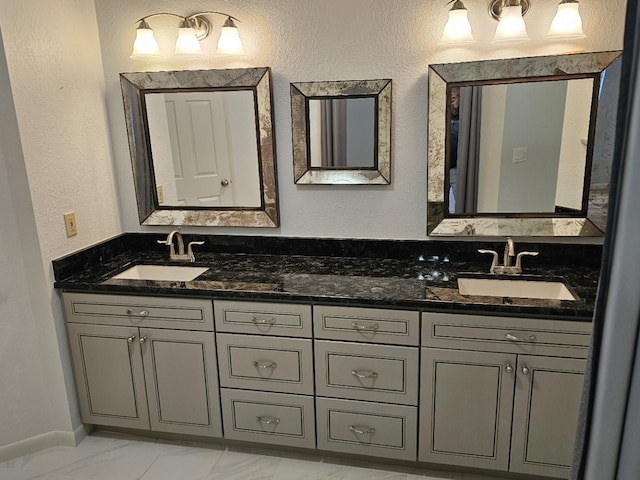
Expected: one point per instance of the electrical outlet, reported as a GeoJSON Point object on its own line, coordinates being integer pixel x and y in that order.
{"type": "Point", "coordinates": [160, 191]}
{"type": "Point", "coordinates": [70, 224]}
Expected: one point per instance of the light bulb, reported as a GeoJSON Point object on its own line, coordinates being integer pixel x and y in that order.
{"type": "Point", "coordinates": [187, 42]}
{"type": "Point", "coordinates": [511, 28]}
{"type": "Point", "coordinates": [229, 42]}
{"type": "Point", "coordinates": [457, 31]}
{"type": "Point", "coordinates": [567, 22]}
{"type": "Point", "coordinates": [145, 44]}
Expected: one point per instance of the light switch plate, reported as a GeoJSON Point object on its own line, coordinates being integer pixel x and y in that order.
{"type": "Point", "coordinates": [70, 224]}
{"type": "Point", "coordinates": [520, 154]}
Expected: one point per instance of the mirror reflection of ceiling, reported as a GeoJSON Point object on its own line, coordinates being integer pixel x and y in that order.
{"type": "Point", "coordinates": [342, 132]}
{"type": "Point", "coordinates": [519, 147]}
{"type": "Point", "coordinates": [204, 148]}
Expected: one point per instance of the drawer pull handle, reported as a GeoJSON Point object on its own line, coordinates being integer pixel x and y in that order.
{"type": "Point", "coordinates": [359, 374]}
{"type": "Point", "coordinates": [131, 339]}
{"type": "Point", "coordinates": [264, 366]}
{"type": "Point", "coordinates": [362, 430]}
{"type": "Point", "coordinates": [268, 420]}
{"type": "Point", "coordinates": [509, 368]}
{"type": "Point", "coordinates": [263, 321]}
{"type": "Point", "coordinates": [513, 338]}
{"type": "Point", "coordinates": [374, 327]}
{"type": "Point", "coordinates": [141, 313]}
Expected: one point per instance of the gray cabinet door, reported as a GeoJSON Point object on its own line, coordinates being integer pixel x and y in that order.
{"type": "Point", "coordinates": [182, 381]}
{"type": "Point", "coordinates": [109, 375]}
{"type": "Point", "coordinates": [466, 406]}
{"type": "Point", "coordinates": [545, 414]}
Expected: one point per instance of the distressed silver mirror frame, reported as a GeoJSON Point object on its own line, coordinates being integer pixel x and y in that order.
{"type": "Point", "coordinates": [258, 80]}
{"type": "Point", "coordinates": [584, 65]}
{"type": "Point", "coordinates": [304, 173]}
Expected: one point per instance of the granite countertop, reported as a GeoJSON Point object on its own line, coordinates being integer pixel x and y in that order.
{"type": "Point", "coordinates": [426, 282]}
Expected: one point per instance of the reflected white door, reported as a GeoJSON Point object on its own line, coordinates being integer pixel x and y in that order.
{"type": "Point", "coordinates": [200, 147]}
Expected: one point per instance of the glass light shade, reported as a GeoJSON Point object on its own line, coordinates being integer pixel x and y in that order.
{"type": "Point", "coordinates": [229, 42]}
{"type": "Point", "coordinates": [511, 28]}
{"type": "Point", "coordinates": [457, 31]}
{"type": "Point", "coordinates": [145, 44]}
{"type": "Point", "coordinates": [567, 22]}
{"type": "Point", "coordinates": [187, 42]}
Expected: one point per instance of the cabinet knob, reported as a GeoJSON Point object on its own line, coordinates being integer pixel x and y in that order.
{"type": "Point", "coordinates": [141, 313]}
{"type": "Point", "coordinates": [142, 340]}
{"type": "Point", "coordinates": [509, 368]}
{"type": "Point", "coordinates": [268, 420]}
{"type": "Point", "coordinates": [131, 339]}
{"type": "Point", "coordinates": [362, 429]}
{"type": "Point", "coordinates": [525, 370]}
{"type": "Point", "coordinates": [224, 183]}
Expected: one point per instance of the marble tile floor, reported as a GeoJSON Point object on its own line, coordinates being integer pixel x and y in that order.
{"type": "Point", "coordinates": [108, 456]}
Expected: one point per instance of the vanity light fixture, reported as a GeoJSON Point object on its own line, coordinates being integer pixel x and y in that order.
{"type": "Point", "coordinates": [457, 31]}
{"type": "Point", "coordinates": [567, 24]}
{"type": "Point", "coordinates": [511, 26]}
{"type": "Point", "coordinates": [192, 30]}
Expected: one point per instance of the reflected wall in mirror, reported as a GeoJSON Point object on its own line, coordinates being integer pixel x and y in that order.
{"type": "Point", "coordinates": [202, 147]}
{"type": "Point", "coordinates": [514, 145]}
{"type": "Point", "coordinates": [342, 132]}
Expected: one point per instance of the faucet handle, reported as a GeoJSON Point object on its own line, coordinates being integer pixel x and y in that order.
{"type": "Point", "coordinates": [522, 254]}
{"type": "Point", "coordinates": [192, 257]}
{"type": "Point", "coordinates": [494, 262]}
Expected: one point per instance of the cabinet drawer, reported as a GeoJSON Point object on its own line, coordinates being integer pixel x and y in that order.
{"type": "Point", "coordinates": [367, 428]}
{"type": "Point", "coordinates": [268, 418]}
{"type": "Point", "coordinates": [126, 310]}
{"type": "Point", "coordinates": [265, 363]}
{"type": "Point", "coordinates": [378, 373]}
{"type": "Point", "coordinates": [506, 335]}
{"type": "Point", "coordinates": [279, 319]}
{"type": "Point", "coordinates": [370, 325]}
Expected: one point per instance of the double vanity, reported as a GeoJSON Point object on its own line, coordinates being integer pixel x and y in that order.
{"type": "Point", "coordinates": [414, 351]}
{"type": "Point", "coordinates": [380, 354]}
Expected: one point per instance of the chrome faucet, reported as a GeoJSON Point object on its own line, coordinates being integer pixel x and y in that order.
{"type": "Point", "coordinates": [507, 267]}
{"type": "Point", "coordinates": [181, 256]}
{"type": "Point", "coordinates": [509, 252]}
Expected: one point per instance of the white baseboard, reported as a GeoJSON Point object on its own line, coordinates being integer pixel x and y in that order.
{"type": "Point", "coordinates": [55, 438]}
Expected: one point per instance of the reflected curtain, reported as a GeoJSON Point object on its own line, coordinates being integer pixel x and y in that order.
{"type": "Point", "coordinates": [468, 150]}
{"type": "Point", "coordinates": [334, 133]}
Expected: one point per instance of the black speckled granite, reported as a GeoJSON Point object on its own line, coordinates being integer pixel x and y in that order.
{"type": "Point", "coordinates": [410, 274]}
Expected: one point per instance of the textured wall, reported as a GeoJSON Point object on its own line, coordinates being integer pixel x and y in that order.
{"type": "Point", "coordinates": [26, 408]}
{"type": "Point", "coordinates": [308, 40]}
{"type": "Point", "coordinates": [61, 151]}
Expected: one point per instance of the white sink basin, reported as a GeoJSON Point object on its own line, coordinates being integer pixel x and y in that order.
{"type": "Point", "coordinates": [170, 273]}
{"type": "Point", "coordinates": [514, 288]}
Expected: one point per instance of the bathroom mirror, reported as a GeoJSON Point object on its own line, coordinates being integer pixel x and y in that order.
{"type": "Point", "coordinates": [341, 132]}
{"type": "Point", "coordinates": [522, 147]}
{"type": "Point", "coordinates": [201, 144]}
